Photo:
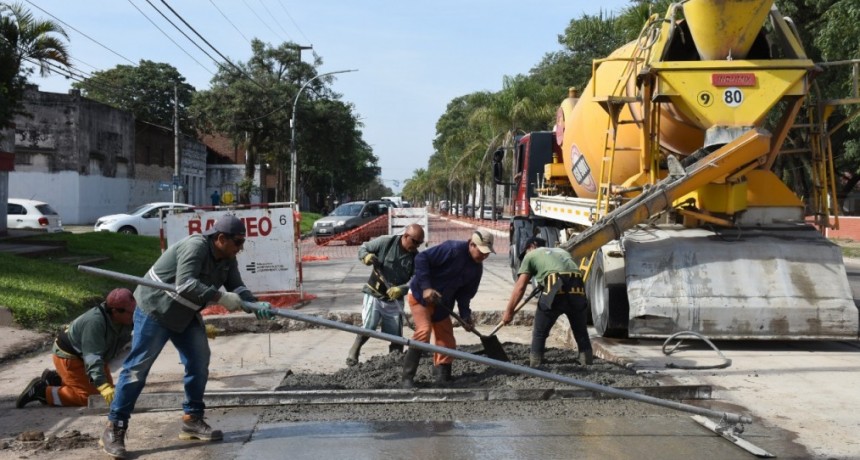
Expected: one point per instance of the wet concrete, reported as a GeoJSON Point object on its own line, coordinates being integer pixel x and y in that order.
{"type": "Point", "coordinates": [384, 371]}
{"type": "Point", "coordinates": [607, 437]}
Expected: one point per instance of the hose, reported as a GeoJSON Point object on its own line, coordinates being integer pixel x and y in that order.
{"type": "Point", "coordinates": [726, 361]}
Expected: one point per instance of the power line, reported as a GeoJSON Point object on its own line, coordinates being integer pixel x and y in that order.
{"type": "Point", "coordinates": [204, 41]}
{"type": "Point", "coordinates": [231, 22]}
{"type": "Point", "coordinates": [276, 22]}
{"type": "Point", "coordinates": [262, 21]}
{"type": "Point", "coordinates": [294, 22]}
{"type": "Point", "coordinates": [171, 39]}
{"type": "Point", "coordinates": [78, 31]}
{"type": "Point", "coordinates": [183, 33]}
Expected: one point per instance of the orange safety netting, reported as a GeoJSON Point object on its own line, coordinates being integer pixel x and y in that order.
{"type": "Point", "coordinates": [281, 300]}
{"type": "Point", "coordinates": [358, 235]}
{"type": "Point", "coordinates": [441, 229]}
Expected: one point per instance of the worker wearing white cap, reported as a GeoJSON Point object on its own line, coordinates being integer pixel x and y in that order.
{"type": "Point", "coordinates": [445, 274]}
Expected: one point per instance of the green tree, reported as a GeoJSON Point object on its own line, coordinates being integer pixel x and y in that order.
{"type": "Point", "coordinates": [25, 38]}
{"type": "Point", "coordinates": [145, 90]}
{"type": "Point", "coordinates": [252, 103]}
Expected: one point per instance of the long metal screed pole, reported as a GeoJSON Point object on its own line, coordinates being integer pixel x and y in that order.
{"type": "Point", "coordinates": [723, 416]}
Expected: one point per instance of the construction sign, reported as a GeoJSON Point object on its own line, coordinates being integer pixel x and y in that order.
{"type": "Point", "coordinates": [268, 260]}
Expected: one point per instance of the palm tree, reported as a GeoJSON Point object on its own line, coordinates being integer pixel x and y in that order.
{"type": "Point", "coordinates": [25, 38]}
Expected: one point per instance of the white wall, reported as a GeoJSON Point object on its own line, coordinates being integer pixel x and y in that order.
{"type": "Point", "coordinates": [81, 200]}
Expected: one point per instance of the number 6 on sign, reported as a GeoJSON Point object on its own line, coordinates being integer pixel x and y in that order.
{"type": "Point", "coordinates": [733, 97]}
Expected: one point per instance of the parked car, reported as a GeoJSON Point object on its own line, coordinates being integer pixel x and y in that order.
{"type": "Point", "coordinates": [487, 212]}
{"type": "Point", "coordinates": [32, 215]}
{"type": "Point", "coordinates": [349, 216]}
{"type": "Point", "coordinates": [143, 220]}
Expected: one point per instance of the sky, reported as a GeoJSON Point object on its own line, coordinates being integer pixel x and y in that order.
{"type": "Point", "coordinates": [412, 57]}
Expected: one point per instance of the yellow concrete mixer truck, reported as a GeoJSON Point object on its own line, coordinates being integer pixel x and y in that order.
{"type": "Point", "coordinates": [659, 178]}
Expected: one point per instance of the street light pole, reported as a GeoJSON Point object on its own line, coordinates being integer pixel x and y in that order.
{"type": "Point", "coordinates": [293, 152]}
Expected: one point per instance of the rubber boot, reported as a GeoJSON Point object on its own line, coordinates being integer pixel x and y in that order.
{"type": "Point", "coordinates": [535, 359]}
{"type": "Point", "coordinates": [588, 357]}
{"type": "Point", "coordinates": [392, 348]}
{"type": "Point", "coordinates": [410, 367]}
{"type": "Point", "coordinates": [352, 359]}
{"type": "Point", "coordinates": [113, 439]}
{"type": "Point", "coordinates": [442, 373]}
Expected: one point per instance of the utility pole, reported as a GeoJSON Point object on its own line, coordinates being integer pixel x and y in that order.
{"type": "Point", "coordinates": [293, 152]}
{"type": "Point", "coordinates": [175, 143]}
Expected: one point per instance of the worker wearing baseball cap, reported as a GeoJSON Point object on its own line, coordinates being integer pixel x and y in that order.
{"type": "Point", "coordinates": [198, 265]}
{"type": "Point", "coordinates": [445, 274]}
{"type": "Point", "coordinates": [81, 354]}
{"type": "Point", "coordinates": [563, 294]}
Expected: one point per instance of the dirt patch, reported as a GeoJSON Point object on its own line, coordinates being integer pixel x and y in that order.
{"type": "Point", "coordinates": [384, 371]}
{"type": "Point", "coordinates": [36, 441]}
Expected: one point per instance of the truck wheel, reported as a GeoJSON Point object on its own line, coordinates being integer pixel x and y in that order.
{"type": "Point", "coordinates": [550, 235]}
{"type": "Point", "coordinates": [609, 306]}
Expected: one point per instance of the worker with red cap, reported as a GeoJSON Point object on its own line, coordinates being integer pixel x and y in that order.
{"type": "Point", "coordinates": [82, 352]}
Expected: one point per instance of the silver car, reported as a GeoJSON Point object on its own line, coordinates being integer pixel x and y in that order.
{"type": "Point", "coordinates": [350, 216]}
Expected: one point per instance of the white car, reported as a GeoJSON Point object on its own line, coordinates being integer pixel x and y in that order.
{"type": "Point", "coordinates": [32, 215]}
{"type": "Point", "coordinates": [144, 220]}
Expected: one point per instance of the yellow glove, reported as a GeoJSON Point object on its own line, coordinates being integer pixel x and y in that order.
{"type": "Point", "coordinates": [370, 259]}
{"type": "Point", "coordinates": [107, 391]}
{"type": "Point", "coordinates": [212, 331]}
{"type": "Point", "coordinates": [395, 292]}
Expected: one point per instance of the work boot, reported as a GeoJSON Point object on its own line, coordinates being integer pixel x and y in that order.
{"type": "Point", "coordinates": [442, 373]}
{"type": "Point", "coordinates": [352, 358]}
{"type": "Point", "coordinates": [535, 359]}
{"type": "Point", "coordinates": [112, 441]}
{"type": "Point", "coordinates": [52, 378]}
{"type": "Point", "coordinates": [193, 427]}
{"type": "Point", "coordinates": [395, 348]}
{"type": "Point", "coordinates": [410, 367]}
{"type": "Point", "coordinates": [588, 357]}
{"type": "Point", "coordinates": [35, 391]}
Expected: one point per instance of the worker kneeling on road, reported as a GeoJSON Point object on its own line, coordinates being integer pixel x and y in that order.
{"type": "Point", "coordinates": [444, 274]}
{"type": "Point", "coordinates": [198, 266]}
{"type": "Point", "coordinates": [82, 352]}
{"type": "Point", "coordinates": [563, 294]}
{"type": "Point", "coordinates": [393, 261]}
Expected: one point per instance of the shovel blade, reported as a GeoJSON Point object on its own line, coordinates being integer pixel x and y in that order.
{"type": "Point", "coordinates": [493, 348]}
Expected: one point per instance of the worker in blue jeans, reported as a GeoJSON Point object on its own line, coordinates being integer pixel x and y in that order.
{"type": "Point", "coordinates": [198, 266]}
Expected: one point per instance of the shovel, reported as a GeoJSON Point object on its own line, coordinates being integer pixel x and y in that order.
{"type": "Point", "coordinates": [522, 304]}
{"type": "Point", "coordinates": [492, 347]}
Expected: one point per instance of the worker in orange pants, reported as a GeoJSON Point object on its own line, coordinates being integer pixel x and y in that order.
{"type": "Point", "coordinates": [82, 352]}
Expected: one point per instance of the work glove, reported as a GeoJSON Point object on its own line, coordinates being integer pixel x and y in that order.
{"type": "Point", "coordinates": [370, 259]}
{"type": "Point", "coordinates": [431, 296]}
{"type": "Point", "coordinates": [265, 311]}
{"type": "Point", "coordinates": [231, 301]}
{"type": "Point", "coordinates": [212, 331]}
{"type": "Point", "coordinates": [395, 292]}
{"type": "Point", "coordinates": [107, 391]}
{"type": "Point", "coordinates": [468, 324]}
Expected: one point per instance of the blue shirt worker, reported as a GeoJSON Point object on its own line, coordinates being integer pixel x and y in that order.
{"type": "Point", "coordinates": [563, 294]}
{"type": "Point", "coordinates": [198, 266]}
{"type": "Point", "coordinates": [393, 261]}
{"type": "Point", "coordinates": [444, 274]}
{"type": "Point", "coordinates": [216, 198]}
